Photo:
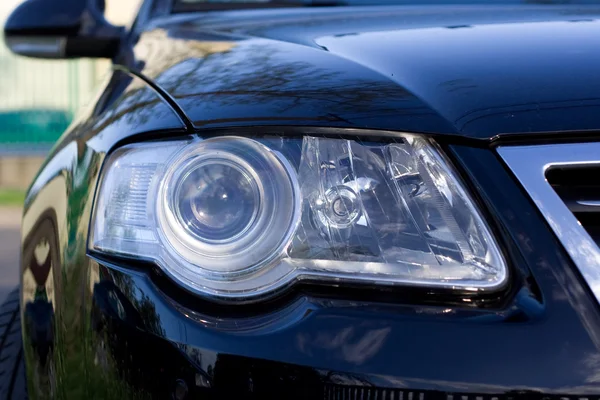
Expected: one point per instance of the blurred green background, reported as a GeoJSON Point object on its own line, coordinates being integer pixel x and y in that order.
{"type": "Point", "coordinates": [38, 100]}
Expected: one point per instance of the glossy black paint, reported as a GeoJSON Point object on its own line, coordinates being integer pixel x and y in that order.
{"type": "Point", "coordinates": [55, 268]}
{"type": "Point", "coordinates": [473, 71]}
{"type": "Point", "coordinates": [107, 328]}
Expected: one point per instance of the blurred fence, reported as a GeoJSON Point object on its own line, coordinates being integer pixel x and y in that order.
{"type": "Point", "coordinates": [38, 99]}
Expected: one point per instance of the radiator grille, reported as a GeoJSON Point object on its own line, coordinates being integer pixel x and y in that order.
{"type": "Point", "coordinates": [563, 181]}
{"type": "Point", "coordinates": [335, 392]}
{"type": "Point", "coordinates": [579, 188]}
{"type": "Point", "coordinates": [338, 392]}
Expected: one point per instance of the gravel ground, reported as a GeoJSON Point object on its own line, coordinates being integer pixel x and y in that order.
{"type": "Point", "coordinates": [10, 220]}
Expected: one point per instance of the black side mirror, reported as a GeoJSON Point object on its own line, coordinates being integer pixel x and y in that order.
{"type": "Point", "coordinates": [62, 29]}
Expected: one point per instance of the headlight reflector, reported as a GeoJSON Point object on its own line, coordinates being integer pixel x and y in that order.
{"type": "Point", "coordinates": [233, 217]}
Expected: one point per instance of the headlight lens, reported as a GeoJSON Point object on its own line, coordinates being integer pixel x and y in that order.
{"type": "Point", "coordinates": [238, 218]}
{"type": "Point", "coordinates": [228, 205]}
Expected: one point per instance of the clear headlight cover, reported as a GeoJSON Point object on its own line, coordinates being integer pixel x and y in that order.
{"type": "Point", "coordinates": [233, 217]}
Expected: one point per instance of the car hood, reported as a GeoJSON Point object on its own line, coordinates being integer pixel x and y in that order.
{"type": "Point", "coordinates": [478, 72]}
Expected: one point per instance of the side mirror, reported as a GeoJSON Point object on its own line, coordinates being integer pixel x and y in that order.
{"type": "Point", "coordinates": [62, 29]}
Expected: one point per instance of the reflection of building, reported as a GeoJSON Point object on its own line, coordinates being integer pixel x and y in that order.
{"type": "Point", "coordinates": [179, 50]}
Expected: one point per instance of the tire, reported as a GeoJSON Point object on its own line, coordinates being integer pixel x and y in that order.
{"type": "Point", "coordinates": [12, 364]}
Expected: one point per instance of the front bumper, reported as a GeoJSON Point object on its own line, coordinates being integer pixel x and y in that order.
{"type": "Point", "coordinates": [539, 338]}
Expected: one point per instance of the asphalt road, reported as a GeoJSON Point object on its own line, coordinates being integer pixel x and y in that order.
{"type": "Point", "coordinates": [10, 219]}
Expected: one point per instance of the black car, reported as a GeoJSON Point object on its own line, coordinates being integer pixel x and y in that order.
{"type": "Point", "coordinates": [315, 200]}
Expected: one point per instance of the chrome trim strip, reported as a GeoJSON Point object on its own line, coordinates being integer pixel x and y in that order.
{"type": "Point", "coordinates": [589, 203]}
{"type": "Point", "coordinates": [529, 164]}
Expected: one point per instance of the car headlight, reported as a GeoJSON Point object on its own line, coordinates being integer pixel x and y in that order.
{"type": "Point", "coordinates": [238, 218]}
